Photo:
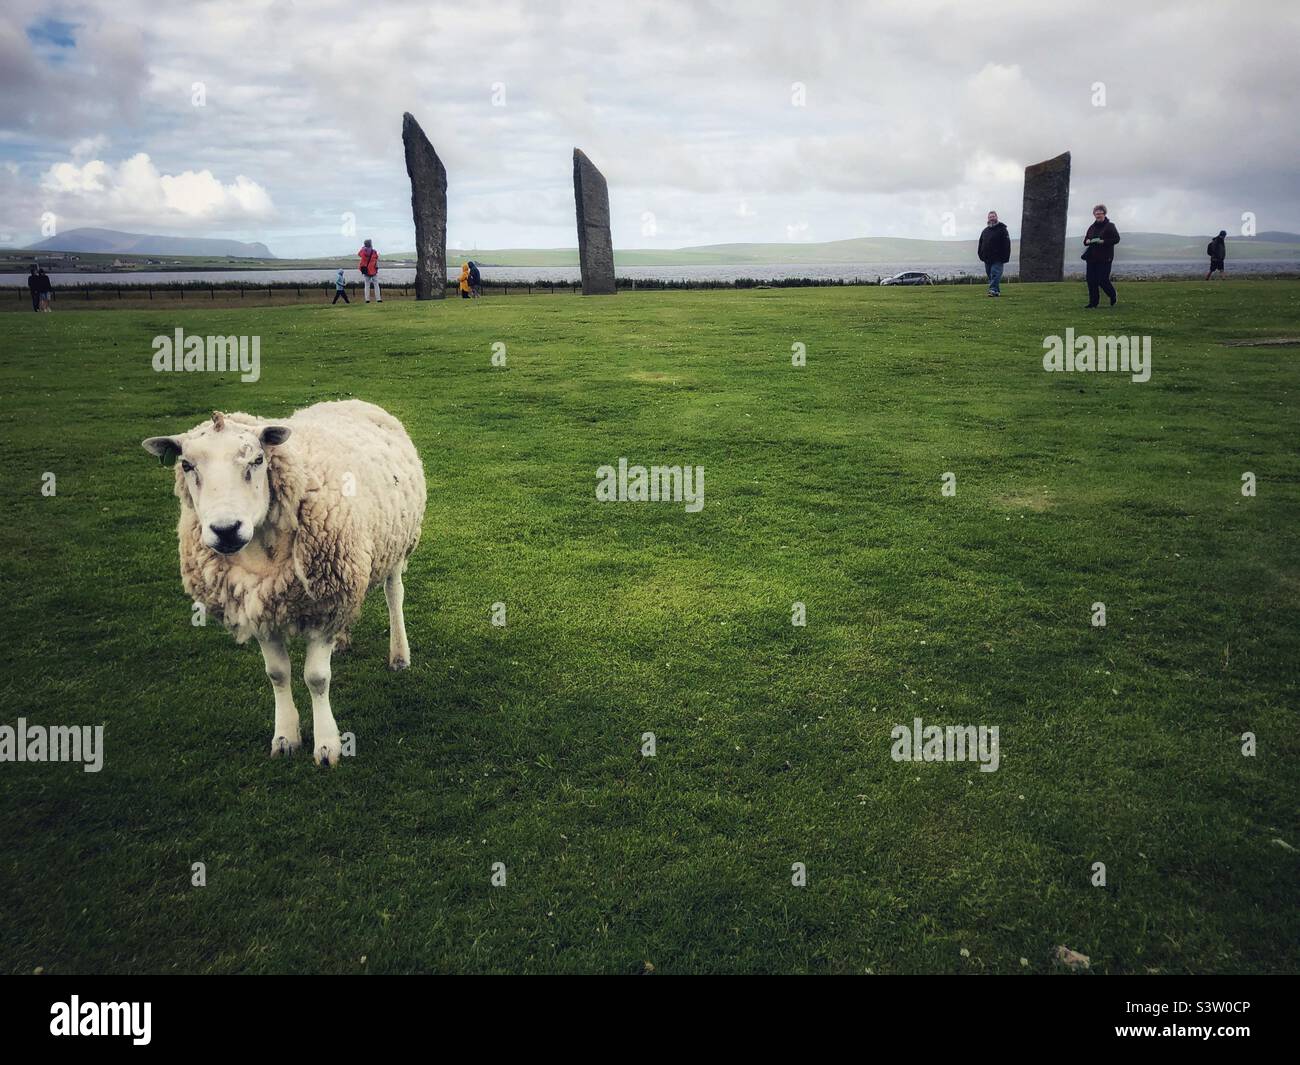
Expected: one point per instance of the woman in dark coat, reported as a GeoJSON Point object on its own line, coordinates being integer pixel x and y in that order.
{"type": "Point", "coordinates": [1099, 252]}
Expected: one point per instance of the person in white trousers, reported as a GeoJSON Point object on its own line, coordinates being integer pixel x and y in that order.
{"type": "Point", "coordinates": [368, 264]}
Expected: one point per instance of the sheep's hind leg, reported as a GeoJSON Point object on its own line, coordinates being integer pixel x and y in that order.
{"type": "Point", "coordinates": [326, 747]}
{"type": "Point", "coordinates": [399, 650]}
{"type": "Point", "coordinates": [287, 737]}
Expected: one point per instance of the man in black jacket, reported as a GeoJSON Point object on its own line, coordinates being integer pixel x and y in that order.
{"type": "Point", "coordinates": [1099, 252]}
{"type": "Point", "coordinates": [995, 252]}
{"type": "Point", "coordinates": [1217, 250]}
{"type": "Point", "coordinates": [34, 288]}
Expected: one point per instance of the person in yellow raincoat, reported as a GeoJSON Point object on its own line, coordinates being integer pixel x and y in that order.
{"type": "Point", "coordinates": [464, 281]}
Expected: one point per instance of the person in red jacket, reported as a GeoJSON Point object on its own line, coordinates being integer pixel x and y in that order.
{"type": "Point", "coordinates": [368, 264]}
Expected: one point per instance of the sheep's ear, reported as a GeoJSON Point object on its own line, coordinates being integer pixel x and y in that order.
{"type": "Point", "coordinates": [167, 448]}
{"type": "Point", "coordinates": [275, 434]}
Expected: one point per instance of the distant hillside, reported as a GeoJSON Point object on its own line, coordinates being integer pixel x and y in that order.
{"type": "Point", "coordinates": [1134, 247]}
{"type": "Point", "coordinates": [897, 252]}
{"type": "Point", "coordinates": [112, 242]}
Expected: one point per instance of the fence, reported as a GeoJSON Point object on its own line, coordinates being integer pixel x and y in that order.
{"type": "Point", "coordinates": [199, 290]}
{"type": "Point", "coordinates": [181, 291]}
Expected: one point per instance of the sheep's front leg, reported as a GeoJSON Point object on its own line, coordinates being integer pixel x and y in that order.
{"type": "Point", "coordinates": [399, 651]}
{"type": "Point", "coordinates": [286, 738]}
{"type": "Point", "coordinates": [326, 748]}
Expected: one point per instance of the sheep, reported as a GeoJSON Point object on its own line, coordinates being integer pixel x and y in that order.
{"type": "Point", "coordinates": [284, 528]}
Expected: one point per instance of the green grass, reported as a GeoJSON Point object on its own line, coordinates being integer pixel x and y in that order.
{"type": "Point", "coordinates": [521, 745]}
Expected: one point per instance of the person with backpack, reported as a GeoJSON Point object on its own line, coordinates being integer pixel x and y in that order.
{"type": "Point", "coordinates": [340, 289]}
{"type": "Point", "coordinates": [369, 266]}
{"type": "Point", "coordinates": [475, 280]}
{"type": "Point", "coordinates": [1099, 252]}
{"type": "Point", "coordinates": [34, 288]}
{"type": "Point", "coordinates": [1217, 250]}
{"type": "Point", "coordinates": [46, 290]}
{"type": "Point", "coordinates": [994, 252]}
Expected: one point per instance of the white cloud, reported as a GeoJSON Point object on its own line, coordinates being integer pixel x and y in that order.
{"type": "Point", "coordinates": [135, 192]}
{"type": "Point", "coordinates": [89, 146]}
{"type": "Point", "coordinates": [914, 108]}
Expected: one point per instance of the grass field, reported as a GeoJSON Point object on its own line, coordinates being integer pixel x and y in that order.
{"type": "Point", "coordinates": [522, 744]}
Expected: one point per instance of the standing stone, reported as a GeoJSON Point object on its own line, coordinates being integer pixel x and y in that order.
{"type": "Point", "coordinates": [1042, 220]}
{"type": "Point", "coordinates": [429, 207]}
{"type": "Point", "coordinates": [595, 245]}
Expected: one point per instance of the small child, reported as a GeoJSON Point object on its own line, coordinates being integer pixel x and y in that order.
{"type": "Point", "coordinates": [340, 289]}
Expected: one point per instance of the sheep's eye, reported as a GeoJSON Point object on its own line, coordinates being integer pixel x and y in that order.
{"type": "Point", "coordinates": [258, 461]}
{"type": "Point", "coordinates": [186, 466]}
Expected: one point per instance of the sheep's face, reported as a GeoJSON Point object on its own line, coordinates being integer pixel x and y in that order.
{"type": "Point", "coordinates": [224, 476]}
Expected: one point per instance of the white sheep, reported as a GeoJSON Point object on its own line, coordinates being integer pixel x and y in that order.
{"type": "Point", "coordinates": [286, 526]}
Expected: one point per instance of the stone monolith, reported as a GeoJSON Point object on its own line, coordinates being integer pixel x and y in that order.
{"type": "Point", "coordinates": [429, 208]}
{"type": "Point", "coordinates": [595, 245]}
{"type": "Point", "coordinates": [1042, 220]}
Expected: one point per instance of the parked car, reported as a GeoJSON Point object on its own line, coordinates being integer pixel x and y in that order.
{"type": "Point", "coordinates": [909, 277]}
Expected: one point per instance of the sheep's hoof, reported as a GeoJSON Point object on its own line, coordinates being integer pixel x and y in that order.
{"type": "Point", "coordinates": [329, 753]}
{"type": "Point", "coordinates": [398, 664]}
{"type": "Point", "coordinates": [283, 745]}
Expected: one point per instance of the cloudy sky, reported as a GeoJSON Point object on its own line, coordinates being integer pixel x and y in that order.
{"type": "Point", "coordinates": [714, 122]}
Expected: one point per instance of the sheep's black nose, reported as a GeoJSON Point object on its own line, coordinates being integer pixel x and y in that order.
{"type": "Point", "coordinates": [228, 538]}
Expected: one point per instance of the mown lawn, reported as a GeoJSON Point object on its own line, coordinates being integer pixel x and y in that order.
{"type": "Point", "coordinates": [522, 744]}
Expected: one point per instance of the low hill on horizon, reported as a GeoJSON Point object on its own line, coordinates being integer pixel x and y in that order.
{"type": "Point", "coordinates": [1149, 247]}
{"type": "Point", "coordinates": [115, 242]}
{"type": "Point", "coordinates": [900, 252]}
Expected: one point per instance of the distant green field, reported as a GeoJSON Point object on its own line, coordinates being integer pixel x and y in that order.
{"type": "Point", "coordinates": [522, 744]}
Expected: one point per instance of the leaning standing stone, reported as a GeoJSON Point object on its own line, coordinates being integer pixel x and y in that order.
{"type": "Point", "coordinates": [595, 245]}
{"type": "Point", "coordinates": [429, 207]}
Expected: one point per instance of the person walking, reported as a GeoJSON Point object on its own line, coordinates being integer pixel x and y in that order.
{"type": "Point", "coordinates": [340, 289]}
{"type": "Point", "coordinates": [1217, 250]}
{"type": "Point", "coordinates": [369, 267]}
{"type": "Point", "coordinates": [464, 281]}
{"type": "Point", "coordinates": [994, 252]}
{"type": "Point", "coordinates": [1099, 252]}
{"type": "Point", "coordinates": [46, 290]}
{"type": "Point", "coordinates": [34, 288]}
{"type": "Point", "coordinates": [475, 280]}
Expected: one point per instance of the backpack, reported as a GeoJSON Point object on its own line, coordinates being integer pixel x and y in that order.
{"type": "Point", "coordinates": [1209, 250]}
{"type": "Point", "coordinates": [473, 275]}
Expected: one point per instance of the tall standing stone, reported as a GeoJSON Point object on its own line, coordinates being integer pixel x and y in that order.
{"type": "Point", "coordinates": [1042, 220]}
{"type": "Point", "coordinates": [429, 207]}
{"type": "Point", "coordinates": [595, 245]}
